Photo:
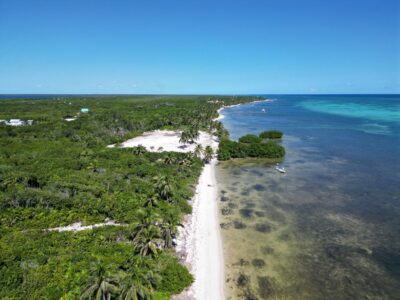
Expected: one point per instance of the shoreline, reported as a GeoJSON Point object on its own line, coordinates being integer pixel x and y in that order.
{"type": "Point", "coordinates": [221, 116]}
{"type": "Point", "coordinates": [199, 242]}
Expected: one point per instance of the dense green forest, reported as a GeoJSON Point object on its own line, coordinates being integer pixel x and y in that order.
{"type": "Point", "coordinates": [252, 146]}
{"type": "Point", "coordinates": [54, 173]}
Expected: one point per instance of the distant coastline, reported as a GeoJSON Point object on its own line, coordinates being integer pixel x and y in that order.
{"type": "Point", "coordinates": [221, 116]}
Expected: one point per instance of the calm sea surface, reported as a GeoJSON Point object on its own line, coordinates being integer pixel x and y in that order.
{"type": "Point", "coordinates": [47, 96]}
{"type": "Point", "coordinates": [330, 227]}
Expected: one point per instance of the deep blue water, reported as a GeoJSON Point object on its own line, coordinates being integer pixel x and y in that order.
{"type": "Point", "coordinates": [46, 96]}
{"type": "Point", "coordinates": [341, 191]}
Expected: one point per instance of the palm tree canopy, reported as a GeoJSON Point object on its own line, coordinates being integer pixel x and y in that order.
{"type": "Point", "coordinates": [138, 285]}
{"type": "Point", "coordinates": [100, 284]}
{"type": "Point", "coordinates": [164, 187]}
{"type": "Point", "coordinates": [139, 150]}
{"type": "Point", "coordinates": [198, 150]}
{"type": "Point", "coordinates": [146, 235]}
{"type": "Point", "coordinates": [208, 154]}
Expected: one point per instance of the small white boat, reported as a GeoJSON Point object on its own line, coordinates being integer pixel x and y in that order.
{"type": "Point", "coordinates": [263, 110]}
{"type": "Point", "coordinates": [280, 169]}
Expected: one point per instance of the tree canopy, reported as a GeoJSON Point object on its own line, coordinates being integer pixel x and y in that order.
{"type": "Point", "coordinates": [271, 134]}
{"type": "Point", "coordinates": [55, 173]}
{"type": "Point", "coordinates": [249, 146]}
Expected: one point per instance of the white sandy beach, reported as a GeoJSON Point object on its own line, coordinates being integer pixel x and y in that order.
{"type": "Point", "coordinates": [168, 140]}
{"type": "Point", "coordinates": [199, 242]}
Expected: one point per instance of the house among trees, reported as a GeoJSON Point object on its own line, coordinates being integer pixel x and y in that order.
{"type": "Point", "coordinates": [84, 110]}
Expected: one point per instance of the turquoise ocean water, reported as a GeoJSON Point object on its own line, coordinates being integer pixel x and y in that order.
{"type": "Point", "coordinates": [330, 227]}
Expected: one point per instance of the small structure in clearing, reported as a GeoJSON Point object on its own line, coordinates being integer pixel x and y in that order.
{"type": "Point", "coordinates": [16, 122]}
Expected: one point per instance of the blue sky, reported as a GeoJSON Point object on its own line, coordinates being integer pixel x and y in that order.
{"type": "Point", "coordinates": [199, 46]}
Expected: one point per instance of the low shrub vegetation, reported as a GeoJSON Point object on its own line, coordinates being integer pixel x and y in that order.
{"type": "Point", "coordinates": [230, 149]}
{"type": "Point", "coordinates": [271, 134]}
{"type": "Point", "coordinates": [250, 139]}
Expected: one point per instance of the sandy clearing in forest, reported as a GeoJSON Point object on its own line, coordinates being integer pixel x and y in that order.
{"type": "Point", "coordinates": [168, 140]}
{"type": "Point", "coordinates": [78, 226]}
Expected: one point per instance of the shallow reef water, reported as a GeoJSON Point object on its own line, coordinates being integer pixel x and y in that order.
{"type": "Point", "coordinates": [327, 229]}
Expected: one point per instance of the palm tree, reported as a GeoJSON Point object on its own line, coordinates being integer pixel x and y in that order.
{"type": "Point", "coordinates": [193, 134]}
{"type": "Point", "coordinates": [169, 159]}
{"type": "Point", "coordinates": [138, 285]}
{"type": "Point", "coordinates": [186, 161]}
{"type": "Point", "coordinates": [139, 150]}
{"type": "Point", "coordinates": [100, 285]}
{"type": "Point", "coordinates": [212, 126]}
{"type": "Point", "coordinates": [168, 233]}
{"type": "Point", "coordinates": [208, 154]}
{"type": "Point", "coordinates": [163, 187]}
{"type": "Point", "coordinates": [151, 201]}
{"type": "Point", "coordinates": [185, 137]}
{"type": "Point", "coordinates": [147, 240]}
{"type": "Point", "coordinates": [189, 136]}
{"type": "Point", "coordinates": [198, 150]}
{"type": "Point", "coordinates": [134, 289]}
{"type": "Point", "coordinates": [147, 218]}
{"type": "Point", "coordinates": [218, 126]}
{"type": "Point", "coordinates": [146, 233]}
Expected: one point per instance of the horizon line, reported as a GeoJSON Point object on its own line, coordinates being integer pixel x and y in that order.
{"type": "Point", "coordinates": [185, 94]}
